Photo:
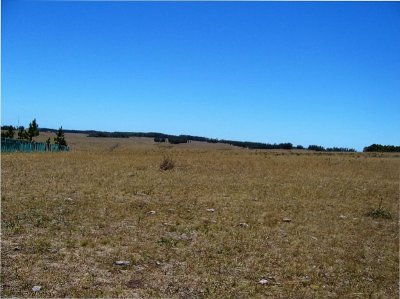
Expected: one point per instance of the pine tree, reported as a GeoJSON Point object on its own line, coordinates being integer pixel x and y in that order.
{"type": "Point", "coordinates": [33, 130]}
{"type": "Point", "coordinates": [60, 139]}
{"type": "Point", "coordinates": [22, 134]}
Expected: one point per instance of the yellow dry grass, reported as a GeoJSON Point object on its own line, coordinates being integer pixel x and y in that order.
{"type": "Point", "coordinates": [67, 217]}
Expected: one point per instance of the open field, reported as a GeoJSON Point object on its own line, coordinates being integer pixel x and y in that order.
{"type": "Point", "coordinates": [67, 217]}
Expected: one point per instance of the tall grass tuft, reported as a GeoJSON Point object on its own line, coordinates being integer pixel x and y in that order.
{"type": "Point", "coordinates": [167, 164]}
{"type": "Point", "coordinates": [380, 212]}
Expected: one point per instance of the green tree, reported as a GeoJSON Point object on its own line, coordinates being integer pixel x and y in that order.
{"type": "Point", "coordinates": [22, 134]}
{"type": "Point", "coordinates": [9, 133]}
{"type": "Point", "coordinates": [33, 130]}
{"type": "Point", "coordinates": [60, 139]}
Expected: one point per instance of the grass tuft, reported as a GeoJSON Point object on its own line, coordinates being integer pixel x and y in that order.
{"type": "Point", "coordinates": [380, 212]}
{"type": "Point", "coordinates": [167, 164]}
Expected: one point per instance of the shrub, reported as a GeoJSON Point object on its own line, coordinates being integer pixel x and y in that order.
{"type": "Point", "coordinates": [380, 212]}
{"type": "Point", "coordinates": [167, 164]}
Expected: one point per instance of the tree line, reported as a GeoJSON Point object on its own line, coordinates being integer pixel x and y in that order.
{"type": "Point", "coordinates": [177, 139]}
{"type": "Point", "coordinates": [382, 148]}
{"type": "Point", "coordinates": [319, 148]}
{"type": "Point", "coordinates": [33, 129]}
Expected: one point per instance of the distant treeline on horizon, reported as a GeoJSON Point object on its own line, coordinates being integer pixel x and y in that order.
{"type": "Point", "coordinates": [177, 139]}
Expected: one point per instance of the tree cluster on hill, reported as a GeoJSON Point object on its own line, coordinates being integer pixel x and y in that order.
{"type": "Point", "coordinates": [177, 139]}
{"type": "Point", "coordinates": [159, 139]}
{"type": "Point", "coordinates": [32, 131]}
{"type": "Point", "coordinates": [319, 148]}
{"type": "Point", "coordinates": [340, 149]}
{"type": "Point", "coordinates": [110, 135]}
{"type": "Point", "coordinates": [316, 148]}
{"type": "Point", "coordinates": [257, 145]}
{"type": "Point", "coordinates": [382, 148]}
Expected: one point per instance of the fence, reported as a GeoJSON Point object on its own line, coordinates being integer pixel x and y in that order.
{"type": "Point", "coordinates": [13, 145]}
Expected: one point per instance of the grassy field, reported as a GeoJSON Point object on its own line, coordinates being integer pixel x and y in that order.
{"type": "Point", "coordinates": [211, 227]}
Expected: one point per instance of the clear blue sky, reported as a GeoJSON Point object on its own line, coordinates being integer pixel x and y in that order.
{"type": "Point", "coordinates": [306, 73]}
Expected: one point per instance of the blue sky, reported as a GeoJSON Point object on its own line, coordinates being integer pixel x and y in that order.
{"type": "Point", "coordinates": [301, 72]}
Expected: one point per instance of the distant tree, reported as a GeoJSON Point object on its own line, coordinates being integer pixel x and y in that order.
{"type": "Point", "coordinates": [340, 149]}
{"type": "Point", "coordinates": [33, 130]}
{"type": "Point", "coordinates": [382, 148]}
{"type": "Point", "coordinates": [22, 134]}
{"type": "Point", "coordinates": [9, 132]}
{"type": "Point", "coordinates": [287, 145]}
{"type": "Point", "coordinates": [48, 144]}
{"type": "Point", "coordinates": [159, 139]}
{"type": "Point", "coordinates": [177, 139]}
{"type": "Point", "coordinates": [60, 139]}
{"type": "Point", "coordinates": [317, 148]}
{"type": "Point", "coordinates": [109, 134]}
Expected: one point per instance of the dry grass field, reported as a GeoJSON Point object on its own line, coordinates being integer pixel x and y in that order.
{"type": "Point", "coordinates": [211, 227]}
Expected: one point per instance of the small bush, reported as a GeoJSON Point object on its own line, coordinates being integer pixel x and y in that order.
{"type": "Point", "coordinates": [167, 164]}
{"type": "Point", "coordinates": [380, 212]}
